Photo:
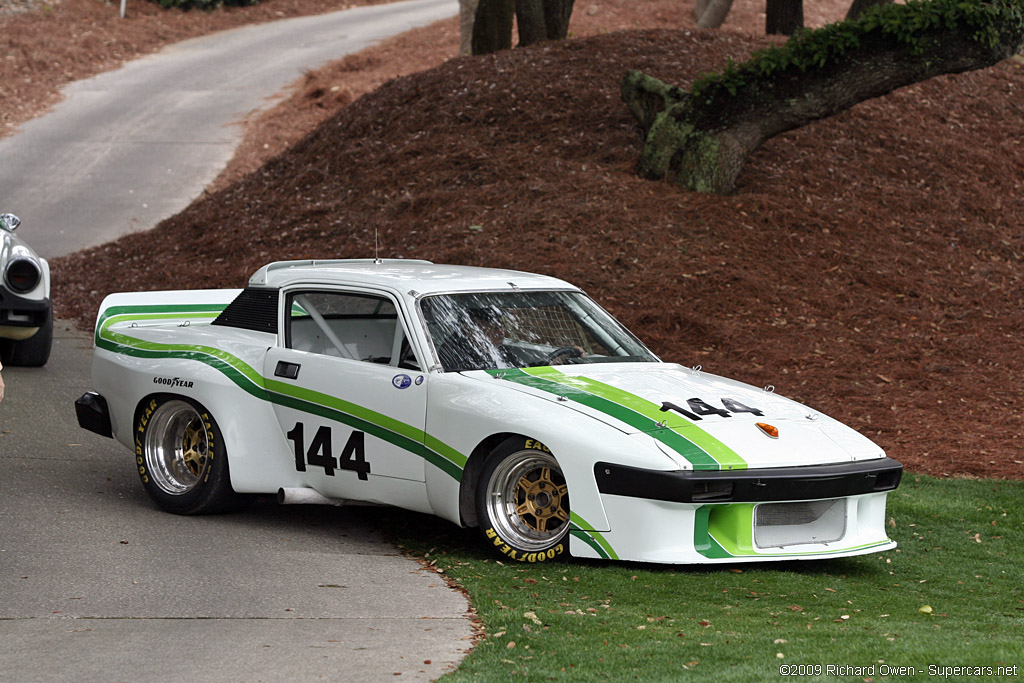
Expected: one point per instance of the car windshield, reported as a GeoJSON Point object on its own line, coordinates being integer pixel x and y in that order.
{"type": "Point", "coordinates": [488, 330]}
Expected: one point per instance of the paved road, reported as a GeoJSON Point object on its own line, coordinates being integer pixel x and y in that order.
{"type": "Point", "coordinates": [96, 584]}
{"type": "Point", "coordinates": [128, 148]}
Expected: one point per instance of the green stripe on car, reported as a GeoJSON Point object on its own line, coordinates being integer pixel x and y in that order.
{"type": "Point", "coordinates": [249, 380]}
{"type": "Point", "coordinates": [699, 448]}
{"type": "Point", "coordinates": [586, 537]}
{"type": "Point", "coordinates": [726, 457]}
{"type": "Point", "coordinates": [579, 528]}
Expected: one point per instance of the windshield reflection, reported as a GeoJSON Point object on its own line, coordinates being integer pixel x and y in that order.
{"type": "Point", "coordinates": [489, 330]}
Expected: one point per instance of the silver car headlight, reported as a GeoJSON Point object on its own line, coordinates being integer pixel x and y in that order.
{"type": "Point", "coordinates": [23, 275]}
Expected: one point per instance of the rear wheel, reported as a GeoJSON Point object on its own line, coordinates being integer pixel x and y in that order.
{"type": "Point", "coordinates": [181, 458]}
{"type": "Point", "coordinates": [523, 502]}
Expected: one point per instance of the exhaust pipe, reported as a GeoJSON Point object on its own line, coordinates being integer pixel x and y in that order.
{"type": "Point", "coordinates": [305, 496]}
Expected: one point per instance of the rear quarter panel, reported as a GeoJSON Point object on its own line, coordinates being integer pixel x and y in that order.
{"type": "Point", "coordinates": [162, 343]}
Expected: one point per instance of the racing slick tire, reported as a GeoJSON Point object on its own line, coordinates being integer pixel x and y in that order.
{"type": "Point", "coordinates": [181, 458]}
{"type": "Point", "coordinates": [32, 352]}
{"type": "Point", "coordinates": [522, 502]}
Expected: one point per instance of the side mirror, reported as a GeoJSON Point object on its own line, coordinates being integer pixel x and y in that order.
{"type": "Point", "coordinates": [9, 221]}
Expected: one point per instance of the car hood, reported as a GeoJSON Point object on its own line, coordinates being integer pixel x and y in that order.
{"type": "Point", "coordinates": [701, 420]}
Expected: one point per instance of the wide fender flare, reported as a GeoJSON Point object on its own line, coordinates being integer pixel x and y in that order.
{"type": "Point", "coordinates": [248, 423]}
{"type": "Point", "coordinates": [474, 419]}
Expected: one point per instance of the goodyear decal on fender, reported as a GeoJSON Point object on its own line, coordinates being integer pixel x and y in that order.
{"type": "Point", "coordinates": [700, 449]}
{"type": "Point", "coordinates": [251, 381]}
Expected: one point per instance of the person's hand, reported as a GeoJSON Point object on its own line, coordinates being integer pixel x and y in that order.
{"type": "Point", "coordinates": [1, 387]}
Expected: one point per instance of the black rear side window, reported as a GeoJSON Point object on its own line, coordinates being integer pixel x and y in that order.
{"type": "Point", "coordinates": [255, 308]}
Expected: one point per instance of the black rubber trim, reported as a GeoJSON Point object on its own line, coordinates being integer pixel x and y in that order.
{"type": "Point", "coordinates": [36, 309]}
{"type": "Point", "coordinates": [93, 414]}
{"type": "Point", "coordinates": [813, 482]}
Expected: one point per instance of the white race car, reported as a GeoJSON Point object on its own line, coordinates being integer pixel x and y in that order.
{"type": "Point", "coordinates": [26, 312]}
{"type": "Point", "coordinates": [498, 399]}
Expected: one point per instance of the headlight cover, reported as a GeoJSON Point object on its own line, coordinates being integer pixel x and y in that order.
{"type": "Point", "coordinates": [22, 275]}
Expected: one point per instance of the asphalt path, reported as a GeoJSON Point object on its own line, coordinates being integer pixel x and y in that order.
{"type": "Point", "coordinates": [129, 148]}
{"type": "Point", "coordinates": [97, 584]}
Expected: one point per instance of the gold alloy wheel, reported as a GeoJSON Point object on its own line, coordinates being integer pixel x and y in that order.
{"type": "Point", "coordinates": [176, 447]}
{"type": "Point", "coordinates": [194, 447]}
{"type": "Point", "coordinates": [528, 500]}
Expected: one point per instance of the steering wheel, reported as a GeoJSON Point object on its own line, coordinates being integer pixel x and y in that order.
{"type": "Point", "coordinates": [568, 351]}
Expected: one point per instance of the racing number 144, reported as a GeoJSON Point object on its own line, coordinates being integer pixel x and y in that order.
{"type": "Point", "coordinates": [353, 455]}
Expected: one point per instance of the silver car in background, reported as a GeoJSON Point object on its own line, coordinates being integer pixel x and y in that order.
{"type": "Point", "coordinates": [26, 311]}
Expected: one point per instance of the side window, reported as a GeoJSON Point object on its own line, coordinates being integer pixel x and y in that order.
{"type": "Point", "coordinates": [346, 325]}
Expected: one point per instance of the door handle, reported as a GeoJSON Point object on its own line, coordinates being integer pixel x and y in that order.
{"type": "Point", "coordinates": [287, 370]}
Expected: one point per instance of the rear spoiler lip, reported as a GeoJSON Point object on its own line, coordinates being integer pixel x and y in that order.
{"type": "Point", "coordinates": [165, 306]}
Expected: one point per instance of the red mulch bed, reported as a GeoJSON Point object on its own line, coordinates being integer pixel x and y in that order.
{"type": "Point", "coordinates": [869, 264]}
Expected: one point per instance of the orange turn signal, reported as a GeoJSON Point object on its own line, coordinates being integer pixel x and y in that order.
{"type": "Point", "coordinates": [768, 429]}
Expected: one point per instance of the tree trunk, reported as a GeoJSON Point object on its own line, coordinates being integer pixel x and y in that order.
{"type": "Point", "coordinates": [540, 20]}
{"type": "Point", "coordinates": [467, 14]}
{"type": "Point", "coordinates": [858, 7]}
{"type": "Point", "coordinates": [714, 14]}
{"type": "Point", "coordinates": [492, 26]}
{"type": "Point", "coordinates": [530, 22]}
{"type": "Point", "coordinates": [784, 16]}
{"type": "Point", "coordinates": [699, 8]}
{"type": "Point", "coordinates": [702, 141]}
{"type": "Point", "coordinates": [556, 18]}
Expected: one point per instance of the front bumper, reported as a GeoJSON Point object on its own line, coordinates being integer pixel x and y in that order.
{"type": "Point", "coordinates": [17, 311]}
{"type": "Point", "coordinates": [787, 513]}
{"type": "Point", "coordinates": [813, 482]}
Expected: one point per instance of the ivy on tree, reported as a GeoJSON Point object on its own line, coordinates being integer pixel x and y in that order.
{"type": "Point", "coordinates": [701, 139]}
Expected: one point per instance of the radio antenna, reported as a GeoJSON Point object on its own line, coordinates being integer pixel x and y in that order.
{"type": "Point", "coordinates": [376, 247]}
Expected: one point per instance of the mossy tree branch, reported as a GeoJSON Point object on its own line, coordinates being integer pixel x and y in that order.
{"type": "Point", "coordinates": [702, 138]}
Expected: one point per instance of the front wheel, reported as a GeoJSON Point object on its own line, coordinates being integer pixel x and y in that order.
{"type": "Point", "coordinates": [522, 502]}
{"type": "Point", "coordinates": [181, 458]}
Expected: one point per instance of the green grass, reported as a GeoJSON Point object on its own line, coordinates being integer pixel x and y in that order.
{"type": "Point", "coordinates": [960, 544]}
